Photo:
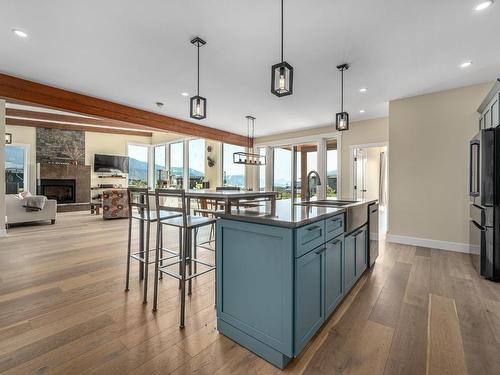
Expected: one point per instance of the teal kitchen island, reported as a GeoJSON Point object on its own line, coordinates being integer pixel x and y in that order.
{"type": "Point", "coordinates": [280, 277]}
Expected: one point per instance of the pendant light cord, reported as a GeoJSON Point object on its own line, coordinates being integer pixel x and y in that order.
{"type": "Point", "coordinates": [281, 30]}
{"type": "Point", "coordinates": [342, 90]}
{"type": "Point", "coordinates": [198, 45]}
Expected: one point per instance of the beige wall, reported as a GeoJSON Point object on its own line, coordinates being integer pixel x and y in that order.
{"type": "Point", "coordinates": [162, 137]}
{"type": "Point", "coordinates": [360, 132]}
{"type": "Point", "coordinates": [429, 137]}
{"type": "Point", "coordinates": [111, 144]}
{"type": "Point", "coordinates": [2, 167]}
{"type": "Point", "coordinates": [26, 136]}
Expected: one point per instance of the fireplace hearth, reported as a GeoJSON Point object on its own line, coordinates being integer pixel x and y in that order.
{"type": "Point", "coordinates": [62, 190]}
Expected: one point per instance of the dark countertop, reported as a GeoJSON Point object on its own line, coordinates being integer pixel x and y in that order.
{"type": "Point", "coordinates": [287, 214]}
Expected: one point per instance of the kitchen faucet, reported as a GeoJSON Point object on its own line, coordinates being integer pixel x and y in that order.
{"type": "Point", "coordinates": [308, 185]}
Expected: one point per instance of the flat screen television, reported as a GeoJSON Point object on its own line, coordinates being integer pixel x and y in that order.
{"type": "Point", "coordinates": [110, 163]}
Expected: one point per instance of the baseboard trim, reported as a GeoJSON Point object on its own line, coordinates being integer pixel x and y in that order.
{"type": "Point", "coordinates": [425, 242]}
{"type": "Point", "coordinates": [3, 232]}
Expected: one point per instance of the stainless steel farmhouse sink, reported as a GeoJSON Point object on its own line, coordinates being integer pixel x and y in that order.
{"type": "Point", "coordinates": [356, 212]}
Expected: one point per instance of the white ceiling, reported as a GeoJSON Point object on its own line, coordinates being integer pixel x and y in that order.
{"type": "Point", "coordinates": [138, 53]}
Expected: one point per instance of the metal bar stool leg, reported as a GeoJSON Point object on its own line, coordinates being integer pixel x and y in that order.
{"type": "Point", "coordinates": [160, 245]}
{"type": "Point", "coordinates": [128, 252]}
{"type": "Point", "coordinates": [189, 248]}
{"type": "Point", "coordinates": [181, 239]}
{"type": "Point", "coordinates": [195, 250]}
{"type": "Point", "coordinates": [146, 264]}
{"type": "Point", "coordinates": [157, 257]}
{"type": "Point", "coordinates": [183, 278]}
{"type": "Point", "coordinates": [141, 248]}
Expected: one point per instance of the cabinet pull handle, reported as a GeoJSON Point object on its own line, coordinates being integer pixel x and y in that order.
{"type": "Point", "coordinates": [337, 242]}
{"type": "Point", "coordinates": [319, 251]}
{"type": "Point", "coordinates": [313, 228]}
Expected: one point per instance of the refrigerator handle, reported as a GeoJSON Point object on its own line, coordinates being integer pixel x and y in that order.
{"type": "Point", "coordinates": [474, 166]}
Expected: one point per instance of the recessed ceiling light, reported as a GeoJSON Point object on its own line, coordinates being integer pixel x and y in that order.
{"type": "Point", "coordinates": [20, 33]}
{"type": "Point", "coordinates": [466, 64]}
{"type": "Point", "coordinates": [361, 111]}
{"type": "Point", "coordinates": [185, 94]}
{"type": "Point", "coordinates": [483, 5]}
{"type": "Point", "coordinates": [363, 89]}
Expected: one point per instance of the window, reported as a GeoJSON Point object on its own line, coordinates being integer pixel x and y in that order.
{"type": "Point", "coordinates": [160, 165]}
{"type": "Point", "coordinates": [16, 172]}
{"type": "Point", "coordinates": [196, 163]}
{"type": "Point", "coordinates": [233, 174]}
{"type": "Point", "coordinates": [331, 168]}
{"type": "Point", "coordinates": [306, 157]}
{"type": "Point", "coordinates": [282, 165]}
{"type": "Point", "coordinates": [176, 158]}
{"type": "Point", "coordinates": [138, 165]}
{"type": "Point", "coordinates": [262, 171]}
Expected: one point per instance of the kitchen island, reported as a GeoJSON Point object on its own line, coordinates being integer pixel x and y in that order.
{"type": "Point", "coordinates": [281, 275]}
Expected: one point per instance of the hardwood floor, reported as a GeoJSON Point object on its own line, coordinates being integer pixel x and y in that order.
{"type": "Point", "coordinates": [63, 310]}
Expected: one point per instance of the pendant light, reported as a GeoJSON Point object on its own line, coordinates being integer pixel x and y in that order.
{"type": "Point", "coordinates": [342, 118]}
{"type": "Point", "coordinates": [8, 138]}
{"type": "Point", "coordinates": [198, 104]}
{"type": "Point", "coordinates": [247, 157]}
{"type": "Point", "coordinates": [282, 73]}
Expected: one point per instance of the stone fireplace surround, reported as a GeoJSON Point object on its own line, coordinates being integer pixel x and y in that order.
{"type": "Point", "coordinates": [81, 176]}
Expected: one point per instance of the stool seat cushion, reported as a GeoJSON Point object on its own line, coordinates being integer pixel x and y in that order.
{"type": "Point", "coordinates": [193, 221]}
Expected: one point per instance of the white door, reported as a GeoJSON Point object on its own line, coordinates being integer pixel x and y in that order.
{"type": "Point", "coordinates": [359, 173]}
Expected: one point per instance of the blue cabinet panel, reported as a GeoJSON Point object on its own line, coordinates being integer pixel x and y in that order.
{"type": "Point", "coordinates": [309, 302]}
{"type": "Point", "coordinates": [350, 260]}
{"type": "Point", "coordinates": [334, 226]}
{"type": "Point", "coordinates": [255, 281]}
{"type": "Point", "coordinates": [309, 237]}
{"type": "Point", "coordinates": [334, 274]}
{"type": "Point", "coordinates": [361, 250]}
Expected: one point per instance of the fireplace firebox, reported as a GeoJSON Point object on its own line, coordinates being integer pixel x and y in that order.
{"type": "Point", "coordinates": [62, 190]}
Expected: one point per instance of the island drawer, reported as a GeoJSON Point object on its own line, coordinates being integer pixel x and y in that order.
{"type": "Point", "coordinates": [334, 226]}
{"type": "Point", "coordinates": [309, 237]}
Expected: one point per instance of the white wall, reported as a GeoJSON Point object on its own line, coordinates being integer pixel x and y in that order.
{"type": "Point", "coordinates": [2, 168]}
{"type": "Point", "coordinates": [428, 154]}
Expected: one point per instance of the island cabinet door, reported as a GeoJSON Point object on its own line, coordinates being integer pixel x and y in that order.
{"type": "Point", "coordinates": [361, 247]}
{"type": "Point", "coordinates": [334, 274]}
{"type": "Point", "coordinates": [350, 260]}
{"type": "Point", "coordinates": [309, 302]}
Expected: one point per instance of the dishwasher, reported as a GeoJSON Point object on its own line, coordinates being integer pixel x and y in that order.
{"type": "Point", "coordinates": [373, 245]}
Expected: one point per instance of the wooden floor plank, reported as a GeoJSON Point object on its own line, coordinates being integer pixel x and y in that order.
{"type": "Point", "coordinates": [445, 354]}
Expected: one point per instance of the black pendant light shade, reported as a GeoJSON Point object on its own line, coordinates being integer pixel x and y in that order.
{"type": "Point", "coordinates": [342, 118]}
{"type": "Point", "coordinates": [282, 79]}
{"type": "Point", "coordinates": [198, 107]}
{"type": "Point", "coordinates": [198, 104]}
{"type": "Point", "coordinates": [282, 73]}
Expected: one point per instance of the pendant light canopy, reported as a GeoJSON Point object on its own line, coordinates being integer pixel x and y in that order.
{"type": "Point", "coordinates": [342, 118]}
{"type": "Point", "coordinates": [198, 104]}
{"type": "Point", "coordinates": [247, 157]}
{"type": "Point", "coordinates": [282, 73]}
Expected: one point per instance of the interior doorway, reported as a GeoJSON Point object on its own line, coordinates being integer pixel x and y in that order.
{"type": "Point", "coordinates": [369, 178]}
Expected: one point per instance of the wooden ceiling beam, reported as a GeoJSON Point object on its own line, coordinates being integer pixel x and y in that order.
{"type": "Point", "coordinates": [18, 89]}
{"type": "Point", "coordinates": [46, 116]}
{"type": "Point", "coordinates": [66, 126]}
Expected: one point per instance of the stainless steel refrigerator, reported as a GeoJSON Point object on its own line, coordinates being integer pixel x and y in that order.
{"type": "Point", "coordinates": [484, 192]}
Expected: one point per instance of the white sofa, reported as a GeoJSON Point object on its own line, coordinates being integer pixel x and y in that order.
{"type": "Point", "coordinates": [16, 213]}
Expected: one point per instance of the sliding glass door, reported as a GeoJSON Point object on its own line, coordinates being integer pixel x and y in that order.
{"type": "Point", "coordinates": [282, 172]}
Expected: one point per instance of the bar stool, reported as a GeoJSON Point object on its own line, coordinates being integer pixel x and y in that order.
{"type": "Point", "coordinates": [139, 209]}
{"type": "Point", "coordinates": [187, 223]}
